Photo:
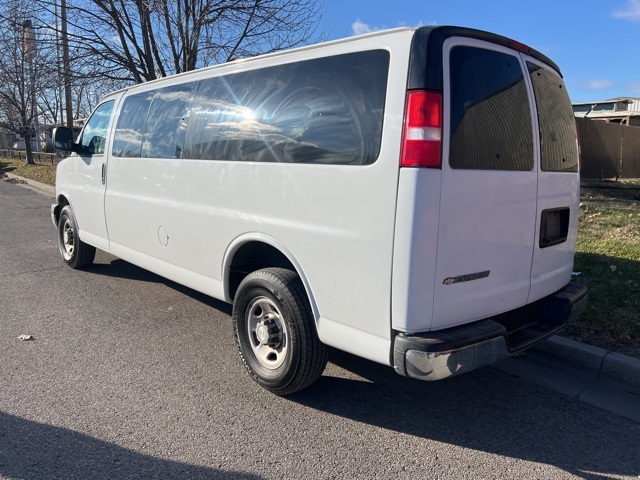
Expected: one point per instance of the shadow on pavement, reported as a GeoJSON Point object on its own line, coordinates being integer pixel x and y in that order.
{"type": "Point", "coordinates": [117, 268]}
{"type": "Point", "coordinates": [482, 411]}
{"type": "Point", "coordinates": [485, 411]}
{"type": "Point", "coordinates": [35, 450]}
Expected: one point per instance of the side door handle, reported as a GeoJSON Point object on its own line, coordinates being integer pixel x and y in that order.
{"type": "Point", "coordinates": [104, 171]}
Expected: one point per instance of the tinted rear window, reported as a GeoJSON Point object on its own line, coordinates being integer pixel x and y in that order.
{"type": "Point", "coordinates": [490, 115]}
{"type": "Point", "coordinates": [558, 146]}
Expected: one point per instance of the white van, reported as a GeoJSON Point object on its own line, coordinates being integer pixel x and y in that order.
{"type": "Point", "coordinates": [409, 196]}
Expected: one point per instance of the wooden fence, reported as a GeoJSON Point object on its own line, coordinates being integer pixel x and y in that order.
{"type": "Point", "coordinates": [609, 150]}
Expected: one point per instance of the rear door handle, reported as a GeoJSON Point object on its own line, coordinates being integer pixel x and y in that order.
{"type": "Point", "coordinates": [104, 169]}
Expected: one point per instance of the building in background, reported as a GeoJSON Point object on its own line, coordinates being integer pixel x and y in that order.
{"type": "Point", "coordinates": [623, 110]}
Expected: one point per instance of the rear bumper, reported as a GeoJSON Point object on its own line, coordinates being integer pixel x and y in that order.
{"type": "Point", "coordinates": [445, 353]}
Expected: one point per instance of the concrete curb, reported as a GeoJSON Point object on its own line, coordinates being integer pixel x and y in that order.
{"type": "Point", "coordinates": [610, 367]}
{"type": "Point", "coordinates": [41, 188]}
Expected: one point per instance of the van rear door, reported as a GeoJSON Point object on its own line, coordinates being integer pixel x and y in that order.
{"type": "Point", "coordinates": [488, 202]}
{"type": "Point", "coordinates": [558, 182]}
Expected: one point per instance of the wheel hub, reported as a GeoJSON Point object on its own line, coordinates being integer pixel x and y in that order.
{"type": "Point", "coordinates": [267, 331]}
{"type": "Point", "coordinates": [68, 236]}
{"type": "Point", "coordinates": [67, 240]}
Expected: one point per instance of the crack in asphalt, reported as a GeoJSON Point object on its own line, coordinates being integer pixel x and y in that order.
{"type": "Point", "coordinates": [6, 275]}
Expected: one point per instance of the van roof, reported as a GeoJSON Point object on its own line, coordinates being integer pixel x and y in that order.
{"type": "Point", "coordinates": [427, 40]}
{"type": "Point", "coordinates": [242, 61]}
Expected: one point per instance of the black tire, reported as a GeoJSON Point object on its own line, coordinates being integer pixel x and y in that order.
{"type": "Point", "coordinates": [272, 305]}
{"type": "Point", "coordinates": [74, 251]}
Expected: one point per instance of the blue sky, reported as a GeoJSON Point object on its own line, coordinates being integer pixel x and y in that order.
{"type": "Point", "coordinates": [596, 43]}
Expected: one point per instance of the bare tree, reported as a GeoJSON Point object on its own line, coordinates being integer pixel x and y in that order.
{"type": "Point", "coordinates": [147, 39]}
{"type": "Point", "coordinates": [116, 42]}
{"type": "Point", "coordinates": [23, 76]}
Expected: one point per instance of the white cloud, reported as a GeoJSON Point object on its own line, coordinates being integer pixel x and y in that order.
{"type": "Point", "coordinates": [359, 28]}
{"type": "Point", "coordinates": [634, 87]}
{"type": "Point", "coordinates": [598, 84]}
{"type": "Point", "coordinates": [630, 12]}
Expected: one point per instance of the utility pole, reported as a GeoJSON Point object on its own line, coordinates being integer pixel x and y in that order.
{"type": "Point", "coordinates": [30, 52]}
{"type": "Point", "coordinates": [65, 63]}
{"type": "Point", "coordinates": [60, 105]}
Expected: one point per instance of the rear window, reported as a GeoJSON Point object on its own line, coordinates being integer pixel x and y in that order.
{"type": "Point", "coordinates": [490, 115]}
{"type": "Point", "coordinates": [558, 146]}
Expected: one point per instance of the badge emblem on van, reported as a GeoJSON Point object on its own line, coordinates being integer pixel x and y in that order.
{"type": "Point", "coordinates": [466, 278]}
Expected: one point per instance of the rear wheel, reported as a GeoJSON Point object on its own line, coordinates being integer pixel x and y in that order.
{"type": "Point", "coordinates": [74, 251]}
{"type": "Point", "coordinates": [275, 333]}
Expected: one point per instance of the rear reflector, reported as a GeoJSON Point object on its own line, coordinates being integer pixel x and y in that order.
{"type": "Point", "coordinates": [422, 135]}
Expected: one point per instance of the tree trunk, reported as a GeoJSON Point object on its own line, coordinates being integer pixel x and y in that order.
{"type": "Point", "coordinates": [27, 149]}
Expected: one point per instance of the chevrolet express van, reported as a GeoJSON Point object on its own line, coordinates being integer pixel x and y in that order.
{"type": "Point", "coordinates": [409, 196]}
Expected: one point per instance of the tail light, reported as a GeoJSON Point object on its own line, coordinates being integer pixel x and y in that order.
{"type": "Point", "coordinates": [422, 134]}
{"type": "Point", "coordinates": [520, 47]}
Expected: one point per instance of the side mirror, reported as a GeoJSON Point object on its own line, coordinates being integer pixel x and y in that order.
{"type": "Point", "coordinates": [63, 139]}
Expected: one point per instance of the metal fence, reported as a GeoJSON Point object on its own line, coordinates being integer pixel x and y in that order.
{"type": "Point", "coordinates": [609, 150]}
{"type": "Point", "coordinates": [37, 156]}
{"type": "Point", "coordinates": [7, 140]}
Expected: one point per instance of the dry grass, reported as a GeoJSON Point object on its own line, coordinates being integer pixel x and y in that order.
{"type": "Point", "coordinates": [41, 172]}
{"type": "Point", "coordinates": [608, 259]}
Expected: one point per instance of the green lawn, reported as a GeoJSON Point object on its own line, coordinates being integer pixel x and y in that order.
{"type": "Point", "coordinates": [608, 259]}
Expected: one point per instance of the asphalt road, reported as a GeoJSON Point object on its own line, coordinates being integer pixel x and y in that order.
{"type": "Point", "coordinates": [132, 376]}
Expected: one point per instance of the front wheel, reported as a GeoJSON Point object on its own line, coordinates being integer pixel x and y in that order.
{"type": "Point", "coordinates": [74, 251]}
{"type": "Point", "coordinates": [275, 333]}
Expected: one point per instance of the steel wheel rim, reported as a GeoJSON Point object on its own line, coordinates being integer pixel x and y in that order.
{"type": "Point", "coordinates": [67, 237]}
{"type": "Point", "coordinates": [267, 333]}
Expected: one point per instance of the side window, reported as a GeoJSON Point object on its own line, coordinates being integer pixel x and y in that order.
{"type": "Point", "coordinates": [327, 111]}
{"type": "Point", "coordinates": [167, 122]}
{"type": "Point", "coordinates": [558, 146]}
{"type": "Point", "coordinates": [127, 141]}
{"type": "Point", "coordinates": [94, 134]}
{"type": "Point", "coordinates": [490, 114]}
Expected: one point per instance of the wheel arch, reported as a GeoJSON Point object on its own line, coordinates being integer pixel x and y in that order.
{"type": "Point", "coordinates": [254, 251]}
{"type": "Point", "coordinates": [62, 201]}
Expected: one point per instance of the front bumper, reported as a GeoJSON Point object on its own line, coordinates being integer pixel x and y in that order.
{"type": "Point", "coordinates": [445, 353]}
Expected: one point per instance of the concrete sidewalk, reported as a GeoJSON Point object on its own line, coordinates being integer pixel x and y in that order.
{"type": "Point", "coordinates": [596, 376]}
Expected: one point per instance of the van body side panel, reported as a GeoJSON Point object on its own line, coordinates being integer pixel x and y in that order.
{"type": "Point", "coordinates": [415, 247]}
{"type": "Point", "coordinates": [337, 221]}
{"type": "Point", "coordinates": [321, 213]}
